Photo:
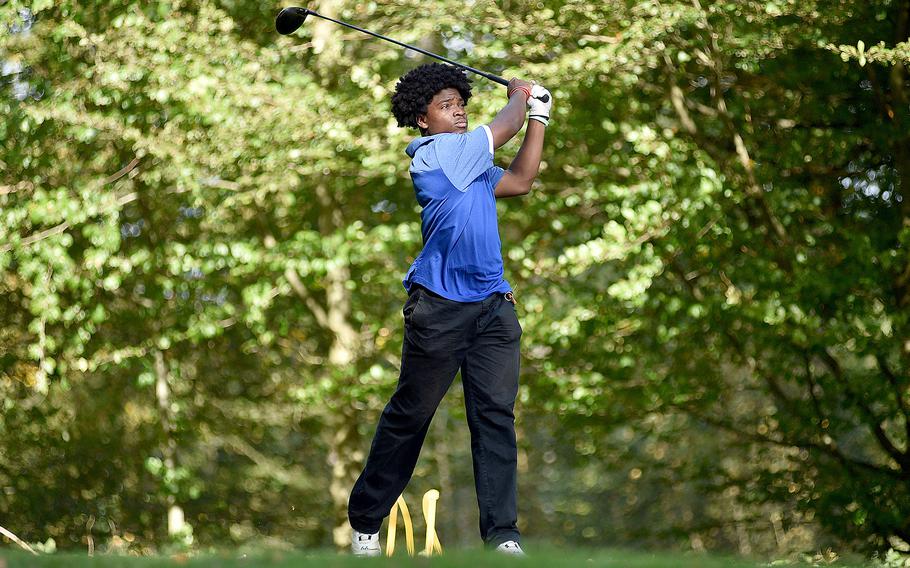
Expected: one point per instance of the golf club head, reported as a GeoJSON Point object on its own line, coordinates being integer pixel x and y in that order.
{"type": "Point", "coordinates": [289, 19]}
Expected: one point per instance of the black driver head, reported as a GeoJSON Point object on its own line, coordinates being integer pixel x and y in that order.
{"type": "Point", "coordinates": [289, 19]}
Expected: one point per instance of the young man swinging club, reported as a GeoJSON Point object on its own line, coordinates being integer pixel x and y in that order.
{"type": "Point", "coordinates": [460, 311]}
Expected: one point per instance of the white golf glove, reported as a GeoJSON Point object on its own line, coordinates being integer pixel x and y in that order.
{"type": "Point", "coordinates": [540, 102]}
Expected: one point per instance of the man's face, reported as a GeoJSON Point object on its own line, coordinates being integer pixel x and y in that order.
{"type": "Point", "coordinates": [445, 113]}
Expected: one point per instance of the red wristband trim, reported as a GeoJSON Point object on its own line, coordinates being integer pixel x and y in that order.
{"type": "Point", "coordinates": [523, 89]}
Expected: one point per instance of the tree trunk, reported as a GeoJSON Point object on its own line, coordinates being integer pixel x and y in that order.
{"type": "Point", "coordinates": [345, 458]}
{"type": "Point", "coordinates": [443, 450]}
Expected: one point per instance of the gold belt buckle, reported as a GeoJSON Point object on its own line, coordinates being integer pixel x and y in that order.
{"type": "Point", "coordinates": [511, 298]}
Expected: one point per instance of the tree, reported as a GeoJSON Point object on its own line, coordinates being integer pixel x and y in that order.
{"type": "Point", "coordinates": [204, 227]}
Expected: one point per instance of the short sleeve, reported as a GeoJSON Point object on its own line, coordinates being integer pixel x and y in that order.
{"type": "Point", "coordinates": [495, 174]}
{"type": "Point", "coordinates": [464, 157]}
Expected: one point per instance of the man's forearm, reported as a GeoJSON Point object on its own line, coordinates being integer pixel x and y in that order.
{"type": "Point", "coordinates": [526, 163]}
{"type": "Point", "coordinates": [509, 120]}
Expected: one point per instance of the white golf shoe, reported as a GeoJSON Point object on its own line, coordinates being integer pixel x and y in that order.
{"type": "Point", "coordinates": [365, 544]}
{"type": "Point", "coordinates": [510, 547]}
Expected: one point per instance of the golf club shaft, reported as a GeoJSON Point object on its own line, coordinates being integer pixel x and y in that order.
{"type": "Point", "coordinates": [490, 76]}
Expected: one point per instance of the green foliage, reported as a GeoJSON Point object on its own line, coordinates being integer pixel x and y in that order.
{"type": "Point", "coordinates": [203, 227]}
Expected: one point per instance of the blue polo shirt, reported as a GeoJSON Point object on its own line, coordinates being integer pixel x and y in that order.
{"type": "Point", "coordinates": [454, 179]}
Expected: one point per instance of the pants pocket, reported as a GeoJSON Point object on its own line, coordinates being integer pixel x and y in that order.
{"type": "Point", "coordinates": [410, 306]}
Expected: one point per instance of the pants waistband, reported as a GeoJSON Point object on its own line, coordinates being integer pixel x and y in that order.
{"type": "Point", "coordinates": [508, 296]}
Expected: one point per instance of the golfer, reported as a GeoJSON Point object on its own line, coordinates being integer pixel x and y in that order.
{"type": "Point", "coordinates": [460, 311]}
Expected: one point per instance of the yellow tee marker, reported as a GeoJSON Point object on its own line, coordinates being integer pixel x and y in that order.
{"type": "Point", "coordinates": [432, 545]}
{"type": "Point", "coordinates": [429, 513]}
{"type": "Point", "coordinates": [408, 528]}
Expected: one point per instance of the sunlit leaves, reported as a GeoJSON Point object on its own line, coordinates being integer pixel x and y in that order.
{"type": "Point", "coordinates": [173, 171]}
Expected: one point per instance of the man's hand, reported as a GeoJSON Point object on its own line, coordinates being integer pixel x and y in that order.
{"type": "Point", "coordinates": [516, 85]}
{"type": "Point", "coordinates": [540, 102]}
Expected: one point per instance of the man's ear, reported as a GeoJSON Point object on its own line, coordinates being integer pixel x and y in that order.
{"type": "Point", "coordinates": [422, 122]}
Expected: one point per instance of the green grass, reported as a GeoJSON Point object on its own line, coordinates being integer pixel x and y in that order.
{"type": "Point", "coordinates": [549, 558]}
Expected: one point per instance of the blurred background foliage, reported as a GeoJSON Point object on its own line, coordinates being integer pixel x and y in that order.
{"type": "Point", "coordinates": [203, 227]}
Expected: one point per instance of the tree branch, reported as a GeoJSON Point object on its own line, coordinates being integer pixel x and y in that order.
{"type": "Point", "coordinates": [56, 230]}
{"type": "Point", "coordinates": [122, 172]}
{"type": "Point", "coordinates": [270, 467]}
{"type": "Point", "coordinates": [816, 403]}
{"type": "Point", "coordinates": [898, 394]}
{"type": "Point", "coordinates": [711, 60]}
{"type": "Point", "coordinates": [121, 201]}
{"type": "Point", "coordinates": [829, 449]}
{"type": "Point", "coordinates": [301, 291]}
{"type": "Point", "coordinates": [679, 103]}
{"type": "Point", "coordinates": [795, 410]}
{"type": "Point", "coordinates": [7, 189]}
{"type": "Point", "coordinates": [119, 355]}
{"type": "Point", "coordinates": [872, 420]}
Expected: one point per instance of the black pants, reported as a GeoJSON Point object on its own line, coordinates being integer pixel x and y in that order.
{"type": "Point", "coordinates": [441, 336]}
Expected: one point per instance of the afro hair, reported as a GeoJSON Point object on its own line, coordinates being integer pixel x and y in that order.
{"type": "Point", "coordinates": [418, 86]}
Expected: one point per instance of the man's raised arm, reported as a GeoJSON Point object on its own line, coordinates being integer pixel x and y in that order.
{"type": "Point", "coordinates": [523, 170]}
{"type": "Point", "coordinates": [512, 117]}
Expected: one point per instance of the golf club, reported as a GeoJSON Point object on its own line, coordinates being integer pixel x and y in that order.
{"type": "Point", "coordinates": [291, 18]}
